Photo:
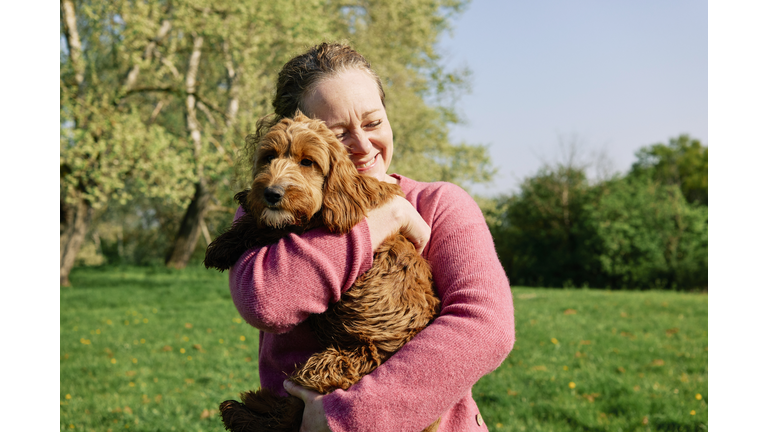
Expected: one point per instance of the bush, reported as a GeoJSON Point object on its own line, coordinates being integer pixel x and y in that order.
{"type": "Point", "coordinates": [631, 232]}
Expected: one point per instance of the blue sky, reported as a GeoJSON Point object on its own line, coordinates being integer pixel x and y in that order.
{"type": "Point", "coordinates": [612, 76]}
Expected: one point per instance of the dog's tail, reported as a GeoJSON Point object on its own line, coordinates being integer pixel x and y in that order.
{"type": "Point", "coordinates": [262, 411]}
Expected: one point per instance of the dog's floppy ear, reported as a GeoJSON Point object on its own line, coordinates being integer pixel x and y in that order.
{"type": "Point", "coordinates": [348, 195]}
{"type": "Point", "coordinates": [343, 204]}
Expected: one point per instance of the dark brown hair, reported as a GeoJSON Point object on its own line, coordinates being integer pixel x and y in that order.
{"type": "Point", "coordinates": [298, 77]}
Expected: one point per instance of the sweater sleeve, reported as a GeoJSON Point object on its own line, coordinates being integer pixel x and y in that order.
{"type": "Point", "coordinates": [277, 287]}
{"type": "Point", "coordinates": [472, 335]}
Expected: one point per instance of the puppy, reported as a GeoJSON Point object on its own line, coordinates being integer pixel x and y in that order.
{"type": "Point", "coordinates": [303, 179]}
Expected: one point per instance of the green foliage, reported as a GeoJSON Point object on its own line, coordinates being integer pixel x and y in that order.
{"type": "Point", "coordinates": [543, 236]}
{"type": "Point", "coordinates": [125, 138]}
{"type": "Point", "coordinates": [649, 236]}
{"type": "Point", "coordinates": [637, 360]}
{"type": "Point", "coordinates": [636, 231]}
{"type": "Point", "coordinates": [683, 162]}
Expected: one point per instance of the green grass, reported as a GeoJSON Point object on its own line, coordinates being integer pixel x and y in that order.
{"type": "Point", "coordinates": [589, 360]}
{"type": "Point", "coordinates": [151, 349]}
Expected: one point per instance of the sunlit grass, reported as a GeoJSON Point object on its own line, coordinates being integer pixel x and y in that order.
{"type": "Point", "coordinates": [151, 350]}
{"type": "Point", "coordinates": [589, 360]}
{"type": "Point", "coordinates": [157, 350]}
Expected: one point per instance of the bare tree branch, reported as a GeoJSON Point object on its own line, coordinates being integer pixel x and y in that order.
{"type": "Point", "coordinates": [73, 41]}
{"type": "Point", "coordinates": [204, 108]}
{"type": "Point", "coordinates": [233, 79]}
{"type": "Point", "coordinates": [160, 105]}
{"type": "Point", "coordinates": [133, 75]}
{"type": "Point", "coordinates": [192, 125]}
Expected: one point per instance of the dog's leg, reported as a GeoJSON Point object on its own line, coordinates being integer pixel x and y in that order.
{"type": "Point", "coordinates": [262, 411]}
{"type": "Point", "coordinates": [336, 368]}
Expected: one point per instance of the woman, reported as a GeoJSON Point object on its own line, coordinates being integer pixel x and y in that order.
{"type": "Point", "coordinates": [276, 288]}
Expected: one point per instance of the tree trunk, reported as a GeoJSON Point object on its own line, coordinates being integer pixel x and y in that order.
{"type": "Point", "coordinates": [75, 220]}
{"type": "Point", "coordinates": [189, 231]}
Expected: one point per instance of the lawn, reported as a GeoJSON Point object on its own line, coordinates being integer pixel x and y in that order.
{"type": "Point", "coordinates": [152, 349]}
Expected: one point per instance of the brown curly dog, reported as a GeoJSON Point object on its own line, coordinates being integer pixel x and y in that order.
{"type": "Point", "coordinates": [304, 179]}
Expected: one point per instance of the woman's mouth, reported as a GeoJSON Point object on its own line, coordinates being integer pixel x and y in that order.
{"type": "Point", "coordinates": [366, 165]}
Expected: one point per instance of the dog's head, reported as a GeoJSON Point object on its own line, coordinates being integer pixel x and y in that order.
{"type": "Point", "coordinates": [302, 169]}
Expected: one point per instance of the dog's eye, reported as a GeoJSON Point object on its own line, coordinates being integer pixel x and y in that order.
{"type": "Point", "coordinates": [268, 158]}
{"type": "Point", "coordinates": [306, 162]}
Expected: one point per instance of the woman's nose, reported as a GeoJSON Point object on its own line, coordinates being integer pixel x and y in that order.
{"type": "Point", "coordinates": [359, 144]}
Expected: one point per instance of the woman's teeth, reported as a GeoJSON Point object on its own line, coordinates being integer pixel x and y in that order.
{"type": "Point", "coordinates": [367, 164]}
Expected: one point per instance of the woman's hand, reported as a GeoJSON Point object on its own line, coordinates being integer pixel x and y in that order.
{"type": "Point", "coordinates": [398, 215]}
{"type": "Point", "coordinates": [314, 413]}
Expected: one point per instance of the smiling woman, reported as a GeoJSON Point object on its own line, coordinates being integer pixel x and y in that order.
{"type": "Point", "coordinates": [276, 288]}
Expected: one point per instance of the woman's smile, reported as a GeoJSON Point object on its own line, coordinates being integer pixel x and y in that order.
{"type": "Point", "coordinates": [366, 165]}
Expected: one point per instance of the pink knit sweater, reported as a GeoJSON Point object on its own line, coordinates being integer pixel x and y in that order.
{"type": "Point", "coordinates": [276, 288]}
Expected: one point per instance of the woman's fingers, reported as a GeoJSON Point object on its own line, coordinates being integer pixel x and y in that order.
{"type": "Point", "coordinates": [398, 215]}
{"type": "Point", "coordinates": [313, 419]}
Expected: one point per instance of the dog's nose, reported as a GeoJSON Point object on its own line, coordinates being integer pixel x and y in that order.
{"type": "Point", "coordinates": [273, 194]}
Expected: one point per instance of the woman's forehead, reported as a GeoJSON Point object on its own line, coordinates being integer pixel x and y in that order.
{"type": "Point", "coordinates": [351, 94]}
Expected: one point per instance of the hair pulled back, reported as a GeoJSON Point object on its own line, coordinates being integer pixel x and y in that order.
{"type": "Point", "coordinates": [297, 79]}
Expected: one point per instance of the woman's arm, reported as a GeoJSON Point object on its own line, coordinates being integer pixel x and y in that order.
{"type": "Point", "coordinates": [472, 336]}
{"type": "Point", "coordinates": [278, 286]}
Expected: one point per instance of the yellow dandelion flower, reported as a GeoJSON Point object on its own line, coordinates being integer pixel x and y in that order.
{"type": "Point", "coordinates": [134, 360]}
{"type": "Point", "coordinates": [693, 412]}
{"type": "Point", "coordinates": [182, 350]}
{"type": "Point", "coordinates": [68, 396]}
{"type": "Point", "coordinates": [698, 396]}
{"type": "Point", "coordinates": [145, 320]}
{"type": "Point", "coordinates": [185, 339]}
{"type": "Point", "coordinates": [565, 368]}
{"type": "Point", "coordinates": [572, 385]}
{"type": "Point", "coordinates": [242, 338]}
{"type": "Point", "coordinates": [189, 357]}
{"type": "Point", "coordinates": [85, 341]}
{"type": "Point", "coordinates": [221, 341]}
{"type": "Point", "coordinates": [98, 331]}
{"type": "Point", "coordinates": [554, 341]}
{"type": "Point", "coordinates": [237, 320]}
{"type": "Point", "coordinates": [113, 361]}
{"type": "Point", "coordinates": [142, 340]}
{"type": "Point", "coordinates": [71, 426]}
{"type": "Point", "coordinates": [109, 322]}
{"type": "Point", "coordinates": [132, 384]}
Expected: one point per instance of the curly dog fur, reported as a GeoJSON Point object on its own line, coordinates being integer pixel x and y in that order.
{"type": "Point", "coordinates": [304, 179]}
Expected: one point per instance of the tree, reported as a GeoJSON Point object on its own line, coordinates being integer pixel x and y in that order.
{"type": "Point", "coordinates": [157, 99]}
{"type": "Point", "coordinates": [543, 235]}
{"type": "Point", "coordinates": [682, 162]}
{"type": "Point", "coordinates": [105, 140]}
{"type": "Point", "coordinates": [649, 236]}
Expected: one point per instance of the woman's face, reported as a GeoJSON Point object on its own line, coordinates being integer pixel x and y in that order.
{"type": "Point", "coordinates": [350, 106]}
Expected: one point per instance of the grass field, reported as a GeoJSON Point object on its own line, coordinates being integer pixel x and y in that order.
{"type": "Point", "coordinates": [150, 349]}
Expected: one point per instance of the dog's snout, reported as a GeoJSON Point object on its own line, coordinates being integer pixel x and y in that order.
{"type": "Point", "coordinates": [273, 194]}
